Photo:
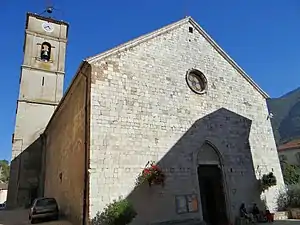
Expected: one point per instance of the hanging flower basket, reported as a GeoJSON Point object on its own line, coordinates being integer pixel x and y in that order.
{"type": "Point", "coordinates": [152, 174]}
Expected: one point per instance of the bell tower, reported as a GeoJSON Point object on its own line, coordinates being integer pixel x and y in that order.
{"type": "Point", "coordinates": [41, 78]}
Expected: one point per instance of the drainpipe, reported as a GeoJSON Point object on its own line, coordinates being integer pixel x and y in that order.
{"type": "Point", "coordinates": [86, 149]}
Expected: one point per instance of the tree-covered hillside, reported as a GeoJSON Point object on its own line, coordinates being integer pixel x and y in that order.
{"type": "Point", "coordinates": [286, 116]}
{"type": "Point", "coordinates": [4, 171]}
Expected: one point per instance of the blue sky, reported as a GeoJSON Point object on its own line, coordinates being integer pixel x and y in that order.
{"type": "Point", "coordinates": [261, 36]}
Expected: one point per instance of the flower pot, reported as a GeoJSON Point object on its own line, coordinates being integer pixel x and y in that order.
{"type": "Point", "coordinates": [152, 175]}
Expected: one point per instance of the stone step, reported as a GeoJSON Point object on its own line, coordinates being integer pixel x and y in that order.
{"type": "Point", "coordinates": [181, 222]}
{"type": "Point", "coordinates": [283, 215]}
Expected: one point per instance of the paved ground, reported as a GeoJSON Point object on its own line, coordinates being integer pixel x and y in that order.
{"type": "Point", "coordinates": [284, 222]}
{"type": "Point", "coordinates": [20, 217]}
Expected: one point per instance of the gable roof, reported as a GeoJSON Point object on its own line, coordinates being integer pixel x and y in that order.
{"type": "Point", "coordinates": [294, 144]}
{"type": "Point", "coordinates": [168, 28]}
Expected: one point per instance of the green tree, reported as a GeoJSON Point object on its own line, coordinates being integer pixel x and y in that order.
{"type": "Point", "coordinates": [119, 212]}
{"type": "Point", "coordinates": [4, 171]}
{"type": "Point", "coordinates": [291, 173]}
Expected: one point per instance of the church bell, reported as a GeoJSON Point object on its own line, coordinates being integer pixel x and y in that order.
{"type": "Point", "coordinates": [45, 53]}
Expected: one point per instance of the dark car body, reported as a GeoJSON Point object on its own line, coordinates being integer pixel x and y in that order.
{"type": "Point", "coordinates": [43, 208]}
{"type": "Point", "coordinates": [2, 206]}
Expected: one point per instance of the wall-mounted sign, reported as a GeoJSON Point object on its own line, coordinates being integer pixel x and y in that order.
{"type": "Point", "coordinates": [181, 206]}
{"type": "Point", "coordinates": [186, 203]}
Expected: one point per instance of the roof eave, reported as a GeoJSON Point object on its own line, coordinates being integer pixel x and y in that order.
{"type": "Point", "coordinates": [137, 40]}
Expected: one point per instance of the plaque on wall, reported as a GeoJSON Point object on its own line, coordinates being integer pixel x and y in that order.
{"type": "Point", "coordinates": [186, 203]}
{"type": "Point", "coordinates": [181, 206]}
{"type": "Point", "coordinates": [192, 203]}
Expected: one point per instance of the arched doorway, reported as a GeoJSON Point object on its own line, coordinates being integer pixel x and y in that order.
{"type": "Point", "coordinates": [211, 184]}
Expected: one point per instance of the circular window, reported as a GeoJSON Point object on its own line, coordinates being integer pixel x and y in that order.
{"type": "Point", "coordinates": [196, 81]}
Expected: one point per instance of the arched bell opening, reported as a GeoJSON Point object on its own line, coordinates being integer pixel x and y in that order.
{"type": "Point", "coordinates": [45, 52]}
{"type": "Point", "coordinates": [211, 185]}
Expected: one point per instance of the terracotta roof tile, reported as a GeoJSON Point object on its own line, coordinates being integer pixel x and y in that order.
{"type": "Point", "coordinates": [289, 145]}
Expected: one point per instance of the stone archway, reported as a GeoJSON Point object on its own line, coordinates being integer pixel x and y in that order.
{"type": "Point", "coordinates": [211, 185]}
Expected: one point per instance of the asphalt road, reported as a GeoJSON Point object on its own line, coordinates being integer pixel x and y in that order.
{"type": "Point", "coordinates": [20, 217]}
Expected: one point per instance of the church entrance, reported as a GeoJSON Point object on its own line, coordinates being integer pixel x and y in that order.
{"type": "Point", "coordinates": [212, 194]}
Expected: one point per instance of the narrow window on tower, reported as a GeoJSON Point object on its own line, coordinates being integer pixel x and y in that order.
{"type": "Point", "coordinates": [43, 81]}
{"type": "Point", "coordinates": [45, 51]}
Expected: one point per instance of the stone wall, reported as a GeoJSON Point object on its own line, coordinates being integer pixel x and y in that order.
{"type": "Point", "coordinates": [142, 106]}
{"type": "Point", "coordinates": [24, 183]}
{"type": "Point", "coordinates": [65, 152]}
{"type": "Point", "coordinates": [41, 84]}
{"type": "Point", "coordinates": [182, 159]}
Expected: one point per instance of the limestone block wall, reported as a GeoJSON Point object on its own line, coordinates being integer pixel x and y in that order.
{"type": "Point", "coordinates": [65, 152]}
{"type": "Point", "coordinates": [24, 182]}
{"type": "Point", "coordinates": [141, 107]}
{"type": "Point", "coordinates": [27, 131]}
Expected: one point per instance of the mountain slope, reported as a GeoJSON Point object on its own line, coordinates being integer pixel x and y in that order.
{"type": "Point", "coordinates": [286, 116]}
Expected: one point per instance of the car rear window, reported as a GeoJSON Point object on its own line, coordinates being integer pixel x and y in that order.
{"type": "Point", "coordinates": [46, 202]}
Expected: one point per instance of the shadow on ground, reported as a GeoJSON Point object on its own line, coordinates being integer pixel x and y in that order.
{"type": "Point", "coordinates": [284, 222]}
{"type": "Point", "coordinates": [20, 217]}
{"type": "Point", "coordinates": [14, 217]}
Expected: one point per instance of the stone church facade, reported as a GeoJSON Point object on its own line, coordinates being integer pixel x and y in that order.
{"type": "Point", "coordinates": [142, 109]}
{"type": "Point", "coordinates": [174, 97]}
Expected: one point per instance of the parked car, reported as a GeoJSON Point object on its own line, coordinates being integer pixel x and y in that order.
{"type": "Point", "coordinates": [43, 208]}
{"type": "Point", "coordinates": [2, 205]}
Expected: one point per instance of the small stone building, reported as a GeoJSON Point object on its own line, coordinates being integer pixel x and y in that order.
{"type": "Point", "coordinates": [174, 97]}
{"type": "Point", "coordinates": [290, 152]}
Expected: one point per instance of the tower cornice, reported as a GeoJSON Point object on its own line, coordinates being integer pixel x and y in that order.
{"type": "Point", "coordinates": [49, 19]}
{"type": "Point", "coordinates": [48, 37]}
